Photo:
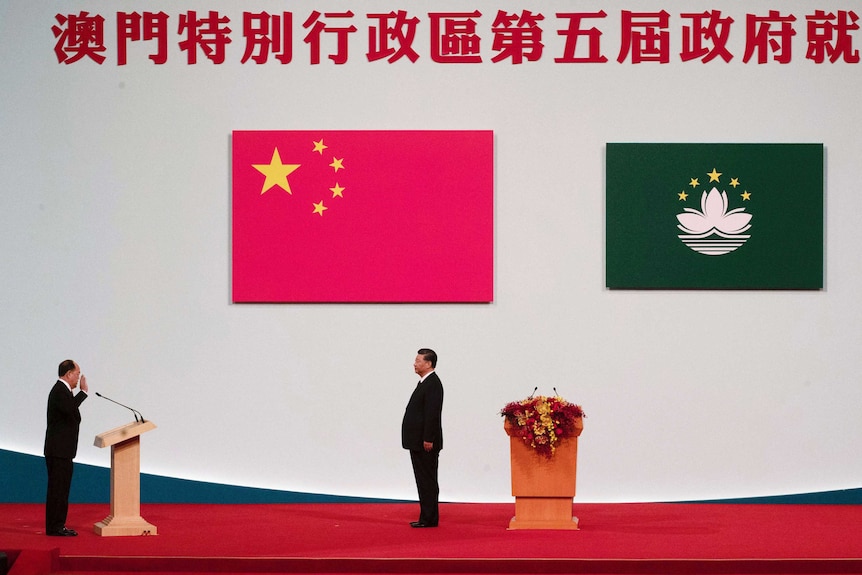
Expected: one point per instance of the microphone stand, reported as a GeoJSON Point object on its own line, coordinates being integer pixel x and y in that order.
{"type": "Point", "coordinates": [135, 412]}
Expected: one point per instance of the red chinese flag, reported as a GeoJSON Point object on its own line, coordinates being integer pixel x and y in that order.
{"type": "Point", "coordinates": [363, 216]}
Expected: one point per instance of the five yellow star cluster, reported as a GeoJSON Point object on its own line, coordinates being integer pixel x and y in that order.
{"type": "Point", "coordinates": [276, 174]}
{"type": "Point", "coordinates": [714, 176]}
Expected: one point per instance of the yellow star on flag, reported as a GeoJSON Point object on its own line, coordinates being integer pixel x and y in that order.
{"type": "Point", "coordinates": [682, 196]}
{"type": "Point", "coordinates": [319, 147]}
{"type": "Point", "coordinates": [276, 173]}
{"type": "Point", "coordinates": [745, 196]}
{"type": "Point", "coordinates": [734, 182]}
{"type": "Point", "coordinates": [694, 183]}
{"type": "Point", "coordinates": [337, 163]}
{"type": "Point", "coordinates": [337, 190]}
{"type": "Point", "coordinates": [318, 208]}
{"type": "Point", "coordinates": [713, 175]}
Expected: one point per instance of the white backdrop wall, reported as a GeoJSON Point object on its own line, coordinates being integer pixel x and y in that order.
{"type": "Point", "coordinates": [115, 234]}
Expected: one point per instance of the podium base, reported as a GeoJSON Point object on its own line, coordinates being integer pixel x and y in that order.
{"type": "Point", "coordinates": [112, 526]}
{"type": "Point", "coordinates": [571, 524]}
{"type": "Point", "coordinates": [543, 513]}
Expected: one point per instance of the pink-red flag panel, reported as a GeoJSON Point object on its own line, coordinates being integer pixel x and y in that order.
{"type": "Point", "coordinates": [363, 216]}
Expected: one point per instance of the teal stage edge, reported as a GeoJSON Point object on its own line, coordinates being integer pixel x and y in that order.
{"type": "Point", "coordinates": [23, 480]}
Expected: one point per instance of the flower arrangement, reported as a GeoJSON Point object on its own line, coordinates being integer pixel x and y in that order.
{"type": "Point", "coordinates": [542, 422]}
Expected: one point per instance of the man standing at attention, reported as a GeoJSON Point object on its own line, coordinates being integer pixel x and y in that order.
{"type": "Point", "coordinates": [422, 434]}
{"type": "Point", "coordinates": [61, 445]}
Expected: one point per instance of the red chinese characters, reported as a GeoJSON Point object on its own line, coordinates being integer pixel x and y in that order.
{"type": "Point", "coordinates": [397, 28]}
{"type": "Point", "coordinates": [516, 37]}
{"type": "Point", "coordinates": [706, 37]}
{"type": "Point", "coordinates": [829, 36]}
{"type": "Point", "coordinates": [79, 36]}
{"type": "Point", "coordinates": [267, 34]}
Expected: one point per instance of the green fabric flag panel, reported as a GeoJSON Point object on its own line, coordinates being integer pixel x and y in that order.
{"type": "Point", "coordinates": [714, 216]}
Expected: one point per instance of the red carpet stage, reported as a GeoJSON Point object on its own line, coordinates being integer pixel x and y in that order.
{"type": "Point", "coordinates": [472, 538]}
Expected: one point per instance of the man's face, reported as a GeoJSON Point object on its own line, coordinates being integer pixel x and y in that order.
{"type": "Point", "coordinates": [421, 365]}
{"type": "Point", "coordinates": [72, 376]}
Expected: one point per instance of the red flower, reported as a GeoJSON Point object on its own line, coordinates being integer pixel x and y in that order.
{"type": "Point", "coordinates": [525, 417]}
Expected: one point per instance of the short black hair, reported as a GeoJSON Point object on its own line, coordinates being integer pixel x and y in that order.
{"type": "Point", "coordinates": [66, 366]}
{"type": "Point", "coordinates": [428, 355]}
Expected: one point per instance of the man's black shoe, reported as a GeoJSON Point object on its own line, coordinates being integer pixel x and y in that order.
{"type": "Point", "coordinates": [421, 524]}
{"type": "Point", "coordinates": [63, 533]}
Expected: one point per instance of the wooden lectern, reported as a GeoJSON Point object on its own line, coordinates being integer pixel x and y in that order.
{"type": "Point", "coordinates": [125, 517]}
{"type": "Point", "coordinates": [544, 488]}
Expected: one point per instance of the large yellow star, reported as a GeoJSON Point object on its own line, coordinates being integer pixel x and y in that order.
{"type": "Point", "coordinates": [337, 163]}
{"type": "Point", "coordinates": [713, 175]}
{"type": "Point", "coordinates": [318, 208]}
{"type": "Point", "coordinates": [276, 173]}
{"type": "Point", "coordinates": [337, 190]}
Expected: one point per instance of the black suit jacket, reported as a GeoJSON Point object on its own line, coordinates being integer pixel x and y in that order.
{"type": "Point", "coordinates": [423, 416]}
{"type": "Point", "coordinates": [64, 420]}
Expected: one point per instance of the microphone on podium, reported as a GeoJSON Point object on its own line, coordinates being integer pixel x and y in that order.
{"type": "Point", "coordinates": [134, 411]}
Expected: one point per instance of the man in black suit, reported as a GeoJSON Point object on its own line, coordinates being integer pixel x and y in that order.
{"type": "Point", "coordinates": [422, 434]}
{"type": "Point", "coordinates": [61, 445]}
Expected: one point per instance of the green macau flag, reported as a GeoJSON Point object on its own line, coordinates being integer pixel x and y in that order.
{"type": "Point", "coordinates": [714, 216]}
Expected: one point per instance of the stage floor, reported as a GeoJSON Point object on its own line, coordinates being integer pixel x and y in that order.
{"type": "Point", "coordinates": [360, 538]}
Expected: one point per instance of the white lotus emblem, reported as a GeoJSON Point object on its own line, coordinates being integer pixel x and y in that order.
{"type": "Point", "coordinates": [713, 230]}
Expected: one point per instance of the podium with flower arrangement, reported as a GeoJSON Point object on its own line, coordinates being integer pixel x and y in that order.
{"type": "Point", "coordinates": [543, 437]}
